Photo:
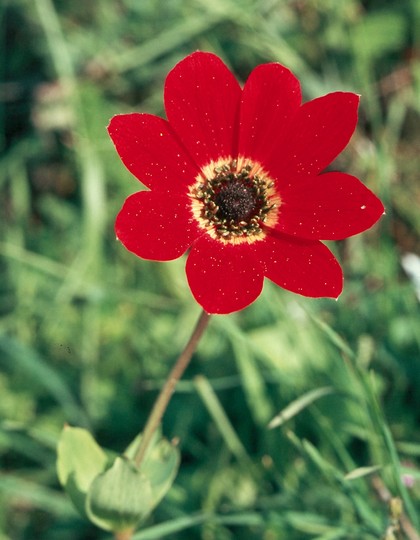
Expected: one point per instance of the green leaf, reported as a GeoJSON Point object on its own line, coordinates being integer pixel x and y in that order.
{"type": "Point", "coordinates": [361, 472]}
{"type": "Point", "coordinates": [120, 497]}
{"type": "Point", "coordinates": [79, 461]}
{"type": "Point", "coordinates": [379, 33]}
{"type": "Point", "coordinates": [168, 528]}
{"type": "Point", "coordinates": [41, 374]}
{"type": "Point", "coordinates": [160, 466]}
{"type": "Point", "coordinates": [30, 494]}
{"type": "Point", "coordinates": [296, 406]}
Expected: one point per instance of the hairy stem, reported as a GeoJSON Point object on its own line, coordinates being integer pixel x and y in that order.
{"type": "Point", "coordinates": [168, 388]}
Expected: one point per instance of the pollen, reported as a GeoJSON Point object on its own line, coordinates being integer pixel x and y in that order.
{"type": "Point", "coordinates": [235, 201]}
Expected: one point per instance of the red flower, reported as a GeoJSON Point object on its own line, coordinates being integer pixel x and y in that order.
{"type": "Point", "coordinates": [234, 176]}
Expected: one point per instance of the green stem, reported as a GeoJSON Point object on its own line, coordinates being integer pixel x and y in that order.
{"type": "Point", "coordinates": [168, 388]}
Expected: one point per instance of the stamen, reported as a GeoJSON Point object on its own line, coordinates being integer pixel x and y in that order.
{"type": "Point", "coordinates": [233, 203]}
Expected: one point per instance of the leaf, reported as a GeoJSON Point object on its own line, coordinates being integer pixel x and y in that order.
{"type": "Point", "coordinates": [296, 406]}
{"type": "Point", "coordinates": [79, 461]}
{"type": "Point", "coordinates": [30, 494]}
{"type": "Point", "coordinates": [167, 528]}
{"type": "Point", "coordinates": [362, 471]}
{"type": "Point", "coordinates": [160, 466]}
{"type": "Point", "coordinates": [120, 497]}
{"type": "Point", "coordinates": [37, 370]}
{"type": "Point", "coordinates": [379, 33]}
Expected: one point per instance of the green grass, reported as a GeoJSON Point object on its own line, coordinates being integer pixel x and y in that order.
{"type": "Point", "coordinates": [88, 332]}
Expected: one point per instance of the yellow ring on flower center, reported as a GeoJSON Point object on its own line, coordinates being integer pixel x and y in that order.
{"type": "Point", "coordinates": [234, 200]}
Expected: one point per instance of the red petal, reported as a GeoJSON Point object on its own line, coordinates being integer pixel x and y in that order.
{"type": "Point", "coordinates": [331, 206]}
{"type": "Point", "coordinates": [271, 96]}
{"type": "Point", "coordinates": [202, 104]}
{"type": "Point", "coordinates": [319, 132]}
{"type": "Point", "coordinates": [223, 278]}
{"type": "Point", "coordinates": [150, 150]}
{"type": "Point", "coordinates": [304, 267]}
{"type": "Point", "coordinates": [155, 226]}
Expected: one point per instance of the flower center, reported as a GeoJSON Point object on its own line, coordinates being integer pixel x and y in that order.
{"type": "Point", "coordinates": [236, 201]}
{"type": "Point", "coordinates": [233, 201]}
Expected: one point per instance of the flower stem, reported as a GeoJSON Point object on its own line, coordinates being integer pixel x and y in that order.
{"type": "Point", "coordinates": [127, 534]}
{"type": "Point", "coordinates": [168, 388]}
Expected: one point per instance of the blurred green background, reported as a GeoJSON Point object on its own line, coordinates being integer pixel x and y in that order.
{"type": "Point", "coordinates": [88, 332]}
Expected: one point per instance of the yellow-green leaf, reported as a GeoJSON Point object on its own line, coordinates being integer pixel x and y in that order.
{"type": "Point", "coordinates": [119, 498]}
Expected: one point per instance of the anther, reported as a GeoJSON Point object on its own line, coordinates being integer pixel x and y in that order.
{"type": "Point", "coordinates": [232, 203]}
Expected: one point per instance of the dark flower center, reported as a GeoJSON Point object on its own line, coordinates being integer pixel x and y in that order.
{"type": "Point", "coordinates": [236, 201]}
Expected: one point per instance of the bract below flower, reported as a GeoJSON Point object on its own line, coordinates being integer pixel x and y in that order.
{"type": "Point", "coordinates": [236, 177]}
